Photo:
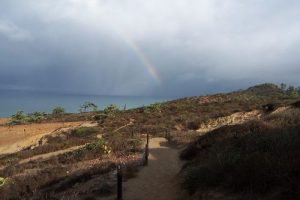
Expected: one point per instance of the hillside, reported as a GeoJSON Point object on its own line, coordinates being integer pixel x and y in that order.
{"type": "Point", "coordinates": [258, 159]}
{"type": "Point", "coordinates": [220, 136]}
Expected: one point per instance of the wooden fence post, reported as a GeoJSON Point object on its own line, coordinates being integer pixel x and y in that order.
{"type": "Point", "coordinates": [148, 139]}
{"type": "Point", "coordinates": [119, 184]}
{"type": "Point", "coordinates": [146, 151]}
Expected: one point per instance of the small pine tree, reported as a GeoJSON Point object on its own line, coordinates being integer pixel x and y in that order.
{"type": "Point", "coordinates": [19, 118]}
{"type": "Point", "coordinates": [88, 107]}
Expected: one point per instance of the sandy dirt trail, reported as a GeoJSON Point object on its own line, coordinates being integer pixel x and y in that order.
{"type": "Point", "coordinates": [158, 179]}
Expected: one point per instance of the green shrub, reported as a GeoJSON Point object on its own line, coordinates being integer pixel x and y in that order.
{"type": "Point", "coordinates": [2, 181]}
{"type": "Point", "coordinates": [111, 110]}
{"type": "Point", "coordinates": [19, 118]}
{"type": "Point", "coordinates": [88, 107]}
{"type": "Point", "coordinates": [36, 117]}
{"type": "Point", "coordinates": [156, 107]}
{"type": "Point", "coordinates": [22, 118]}
{"type": "Point", "coordinates": [99, 146]}
{"type": "Point", "coordinates": [84, 131]}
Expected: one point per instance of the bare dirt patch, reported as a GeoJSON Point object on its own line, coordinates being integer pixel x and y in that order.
{"type": "Point", "coordinates": [16, 138]}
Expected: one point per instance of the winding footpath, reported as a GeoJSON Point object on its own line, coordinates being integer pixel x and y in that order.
{"type": "Point", "coordinates": [158, 179]}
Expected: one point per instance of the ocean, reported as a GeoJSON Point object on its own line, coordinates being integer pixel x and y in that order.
{"type": "Point", "coordinates": [11, 102]}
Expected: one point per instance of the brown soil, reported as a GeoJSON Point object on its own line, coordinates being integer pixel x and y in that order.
{"type": "Point", "coordinates": [3, 121]}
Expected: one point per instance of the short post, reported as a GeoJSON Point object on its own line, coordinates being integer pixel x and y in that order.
{"type": "Point", "coordinates": [119, 184]}
{"type": "Point", "coordinates": [147, 139]}
{"type": "Point", "coordinates": [146, 152]}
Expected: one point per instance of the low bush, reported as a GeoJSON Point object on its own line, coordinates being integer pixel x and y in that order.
{"type": "Point", "coordinates": [22, 118]}
{"type": "Point", "coordinates": [19, 118]}
{"type": "Point", "coordinates": [2, 181]}
{"type": "Point", "coordinates": [111, 110]}
{"type": "Point", "coordinates": [156, 107]}
{"type": "Point", "coordinates": [85, 131]}
{"type": "Point", "coordinates": [98, 146]}
{"type": "Point", "coordinates": [36, 117]}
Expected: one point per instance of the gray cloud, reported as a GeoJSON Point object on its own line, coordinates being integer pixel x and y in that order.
{"type": "Point", "coordinates": [13, 32]}
{"type": "Point", "coordinates": [197, 46]}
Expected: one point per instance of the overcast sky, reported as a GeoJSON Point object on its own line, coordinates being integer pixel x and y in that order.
{"type": "Point", "coordinates": [149, 47]}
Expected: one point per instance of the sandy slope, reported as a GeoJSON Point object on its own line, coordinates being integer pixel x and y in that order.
{"type": "Point", "coordinates": [16, 138]}
{"type": "Point", "coordinates": [236, 118]}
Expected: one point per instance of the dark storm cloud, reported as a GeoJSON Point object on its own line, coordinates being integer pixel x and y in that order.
{"type": "Point", "coordinates": [196, 46]}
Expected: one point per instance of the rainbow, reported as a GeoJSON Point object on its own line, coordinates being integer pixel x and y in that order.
{"type": "Point", "coordinates": [142, 56]}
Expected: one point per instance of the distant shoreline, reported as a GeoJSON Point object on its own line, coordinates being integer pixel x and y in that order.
{"type": "Point", "coordinates": [30, 103]}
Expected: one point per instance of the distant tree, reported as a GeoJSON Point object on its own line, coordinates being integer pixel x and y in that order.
{"type": "Point", "coordinates": [292, 91]}
{"type": "Point", "coordinates": [58, 111]}
{"type": "Point", "coordinates": [88, 107]}
{"type": "Point", "coordinates": [283, 86]}
{"type": "Point", "coordinates": [19, 118]}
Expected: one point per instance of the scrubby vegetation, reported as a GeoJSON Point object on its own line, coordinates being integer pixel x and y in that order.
{"type": "Point", "coordinates": [258, 158]}
{"type": "Point", "coordinates": [156, 107]}
{"type": "Point", "coordinates": [22, 118]}
{"type": "Point", "coordinates": [2, 181]}
{"type": "Point", "coordinates": [84, 131]}
{"type": "Point", "coordinates": [111, 110]}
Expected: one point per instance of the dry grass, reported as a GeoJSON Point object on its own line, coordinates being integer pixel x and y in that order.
{"type": "Point", "coordinates": [3, 121]}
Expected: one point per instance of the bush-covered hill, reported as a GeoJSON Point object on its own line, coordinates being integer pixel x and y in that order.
{"type": "Point", "coordinates": [256, 160]}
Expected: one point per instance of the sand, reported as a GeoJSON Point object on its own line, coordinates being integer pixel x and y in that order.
{"type": "Point", "coordinates": [18, 137]}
